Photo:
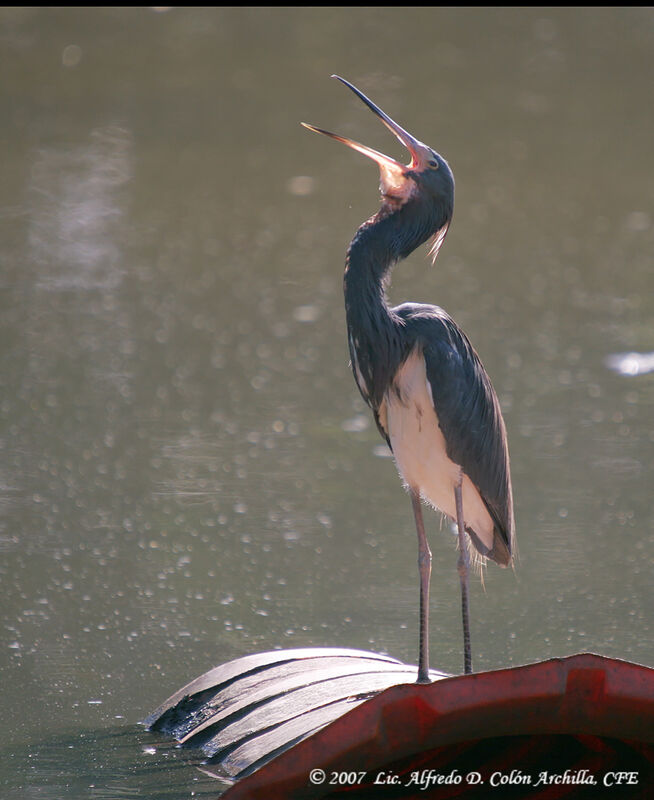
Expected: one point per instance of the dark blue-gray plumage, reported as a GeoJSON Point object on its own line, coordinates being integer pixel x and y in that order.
{"type": "Point", "coordinates": [431, 397]}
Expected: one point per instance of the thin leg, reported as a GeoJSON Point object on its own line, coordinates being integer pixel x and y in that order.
{"type": "Point", "coordinates": [424, 568]}
{"type": "Point", "coordinates": [462, 566]}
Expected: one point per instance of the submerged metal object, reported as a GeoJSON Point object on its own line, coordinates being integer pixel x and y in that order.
{"type": "Point", "coordinates": [243, 713]}
{"type": "Point", "coordinates": [269, 722]}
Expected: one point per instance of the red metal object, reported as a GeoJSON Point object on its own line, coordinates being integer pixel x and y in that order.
{"type": "Point", "coordinates": [508, 725]}
{"type": "Point", "coordinates": [283, 724]}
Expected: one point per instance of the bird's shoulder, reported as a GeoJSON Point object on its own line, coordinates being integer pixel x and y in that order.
{"type": "Point", "coordinates": [433, 330]}
{"type": "Point", "coordinates": [421, 313]}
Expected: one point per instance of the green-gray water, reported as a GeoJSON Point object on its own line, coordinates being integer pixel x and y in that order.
{"type": "Point", "coordinates": [187, 471]}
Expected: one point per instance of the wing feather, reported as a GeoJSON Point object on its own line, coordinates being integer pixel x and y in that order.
{"type": "Point", "coordinates": [468, 412]}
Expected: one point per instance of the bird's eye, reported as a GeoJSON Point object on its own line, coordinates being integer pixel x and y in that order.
{"type": "Point", "coordinates": [433, 163]}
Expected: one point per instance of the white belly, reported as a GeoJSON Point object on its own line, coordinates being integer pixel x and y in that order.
{"type": "Point", "coordinates": [408, 415]}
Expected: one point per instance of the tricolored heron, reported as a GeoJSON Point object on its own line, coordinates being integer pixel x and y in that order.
{"type": "Point", "coordinates": [431, 397]}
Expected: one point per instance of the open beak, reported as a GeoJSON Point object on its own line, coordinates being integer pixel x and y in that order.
{"type": "Point", "coordinates": [394, 182]}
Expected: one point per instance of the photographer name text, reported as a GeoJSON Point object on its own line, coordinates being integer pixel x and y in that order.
{"type": "Point", "coordinates": [428, 778]}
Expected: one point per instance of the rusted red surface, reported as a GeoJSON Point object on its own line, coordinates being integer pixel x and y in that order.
{"type": "Point", "coordinates": [586, 713]}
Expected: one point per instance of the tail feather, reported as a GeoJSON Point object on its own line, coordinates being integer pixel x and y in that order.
{"type": "Point", "coordinates": [499, 553]}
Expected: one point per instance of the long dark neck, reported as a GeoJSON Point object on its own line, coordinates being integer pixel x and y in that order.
{"type": "Point", "coordinates": [376, 344]}
{"type": "Point", "coordinates": [370, 258]}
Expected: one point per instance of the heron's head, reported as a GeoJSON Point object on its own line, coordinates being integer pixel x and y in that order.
{"type": "Point", "coordinates": [426, 182]}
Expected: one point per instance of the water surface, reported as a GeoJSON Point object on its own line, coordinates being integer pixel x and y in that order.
{"type": "Point", "coordinates": [188, 473]}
